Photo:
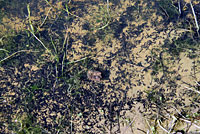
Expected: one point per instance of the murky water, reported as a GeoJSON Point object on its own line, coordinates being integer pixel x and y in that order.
{"type": "Point", "coordinates": [147, 53]}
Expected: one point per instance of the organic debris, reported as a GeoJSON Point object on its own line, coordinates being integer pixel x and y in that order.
{"type": "Point", "coordinates": [94, 75]}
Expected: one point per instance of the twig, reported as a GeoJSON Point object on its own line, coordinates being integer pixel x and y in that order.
{"type": "Point", "coordinates": [68, 12]}
{"type": "Point", "coordinates": [185, 30]}
{"type": "Point", "coordinates": [66, 40]}
{"type": "Point", "coordinates": [172, 123]}
{"type": "Point", "coordinates": [55, 82]}
{"type": "Point", "coordinates": [48, 3]}
{"type": "Point", "coordinates": [45, 131]}
{"type": "Point", "coordinates": [71, 123]}
{"type": "Point", "coordinates": [190, 123]}
{"type": "Point", "coordinates": [148, 126]}
{"type": "Point", "coordinates": [195, 18]}
{"type": "Point", "coordinates": [179, 7]}
{"type": "Point", "coordinates": [193, 90]}
{"type": "Point", "coordinates": [53, 45]}
{"type": "Point", "coordinates": [197, 83]}
{"type": "Point", "coordinates": [158, 121]}
{"type": "Point", "coordinates": [164, 11]}
{"type": "Point", "coordinates": [128, 126]}
{"type": "Point", "coordinates": [178, 112]}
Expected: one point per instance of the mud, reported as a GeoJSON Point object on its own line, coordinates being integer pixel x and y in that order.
{"type": "Point", "coordinates": [143, 82]}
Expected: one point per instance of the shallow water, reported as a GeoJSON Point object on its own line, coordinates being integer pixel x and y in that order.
{"type": "Point", "coordinates": [142, 49]}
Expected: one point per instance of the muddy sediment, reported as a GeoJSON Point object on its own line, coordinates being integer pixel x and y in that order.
{"type": "Point", "coordinates": [147, 78]}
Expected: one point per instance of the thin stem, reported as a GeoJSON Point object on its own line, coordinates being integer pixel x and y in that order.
{"type": "Point", "coordinates": [77, 60]}
{"type": "Point", "coordinates": [15, 54]}
{"type": "Point", "coordinates": [63, 63]}
{"type": "Point", "coordinates": [40, 41]}
{"type": "Point", "coordinates": [148, 126]}
{"type": "Point", "coordinates": [46, 17]}
{"type": "Point", "coordinates": [29, 18]}
{"type": "Point", "coordinates": [108, 8]}
{"type": "Point", "coordinates": [172, 124]}
{"type": "Point", "coordinates": [197, 83]}
{"type": "Point", "coordinates": [179, 7]}
{"type": "Point", "coordinates": [32, 28]}
{"type": "Point", "coordinates": [195, 18]}
{"type": "Point", "coordinates": [190, 122]}
{"type": "Point", "coordinates": [193, 90]}
{"type": "Point", "coordinates": [158, 121]}
{"type": "Point", "coordinates": [128, 126]}
{"type": "Point", "coordinates": [4, 50]}
{"type": "Point", "coordinates": [108, 17]}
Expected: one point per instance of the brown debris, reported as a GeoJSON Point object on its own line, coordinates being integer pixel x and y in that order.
{"type": "Point", "coordinates": [94, 75]}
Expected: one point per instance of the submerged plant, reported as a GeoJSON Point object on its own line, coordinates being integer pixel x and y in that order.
{"type": "Point", "coordinates": [169, 9]}
{"type": "Point", "coordinates": [25, 124]}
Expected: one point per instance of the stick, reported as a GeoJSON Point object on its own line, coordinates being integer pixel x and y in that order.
{"type": "Point", "coordinates": [197, 83]}
{"type": "Point", "coordinates": [179, 7]}
{"type": "Point", "coordinates": [193, 90]}
{"type": "Point", "coordinates": [190, 123]}
{"type": "Point", "coordinates": [128, 126]}
{"type": "Point", "coordinates": [162, 127]}
{"type": "Point", "coordinates": [148, 126]}
{"type": "Point", "coordinates": [178, 112]}
{"type": "Point", "coordinates": [172, 124]}
{"type": "Point", "coordinates": [195, 18]}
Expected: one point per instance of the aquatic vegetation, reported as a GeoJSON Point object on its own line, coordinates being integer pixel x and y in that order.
{"type": "Point", "coordinates": [52, 70]}
{"type": "Point", "coordinates": [185, 44]}
{"type": "Point", "coordinates": [25, 124]}
{"type": "Point", "coordinates": [169, 9]}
